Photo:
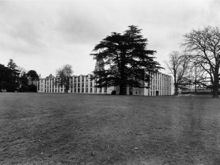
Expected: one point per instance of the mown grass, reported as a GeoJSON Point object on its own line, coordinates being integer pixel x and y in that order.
{"type": "Point", "coordinates": [106, 129]}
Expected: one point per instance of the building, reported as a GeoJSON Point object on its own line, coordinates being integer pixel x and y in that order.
{"type": "Point", "coordinates": [78, 84]}
{"type": "Point", "coordinates": [160, 85]}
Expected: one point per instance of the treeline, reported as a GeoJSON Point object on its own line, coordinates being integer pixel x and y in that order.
{"type": "Point", "coordinates": [16, 79]}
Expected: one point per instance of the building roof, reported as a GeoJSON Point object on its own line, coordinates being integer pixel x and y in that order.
{"type": "Point", "coordinates": [50, 76]}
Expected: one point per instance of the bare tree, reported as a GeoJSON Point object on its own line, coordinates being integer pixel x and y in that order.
{"type": "Point", "coordinates": [205, 46]}
{"type": "Point", "coordinates": [63, 76]}
{"type": "Point", "coordinates": [178, 66]}
{"type": "Point", "coordinates": [198, 76]}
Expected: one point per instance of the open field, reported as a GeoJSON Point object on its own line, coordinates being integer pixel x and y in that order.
{"type": "Point", "coordinates": [106, 129]}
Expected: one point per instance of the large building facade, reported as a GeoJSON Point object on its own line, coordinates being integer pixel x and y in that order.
{"type": "Point", "coordinates": [160, 85]}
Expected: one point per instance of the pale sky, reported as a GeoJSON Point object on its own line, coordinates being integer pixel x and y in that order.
{"type": "Point", "coordinates": [44, 35]}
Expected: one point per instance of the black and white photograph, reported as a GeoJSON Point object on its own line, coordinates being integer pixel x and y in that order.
{"type": "Point", "coordinates": [109, 82]}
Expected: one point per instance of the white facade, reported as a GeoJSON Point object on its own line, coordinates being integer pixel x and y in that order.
{"type": "Point", "coordinates": [78, 84]}
{"type": "Point", "coordinates": [160, 85]}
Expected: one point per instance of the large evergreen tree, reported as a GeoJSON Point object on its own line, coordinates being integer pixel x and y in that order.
{"type": "Point", "coordinates": [8, 79]}
{"type": "Point", "coordinates": [12, 65]}
{"type": "Point", "coordinates": [125, 60]}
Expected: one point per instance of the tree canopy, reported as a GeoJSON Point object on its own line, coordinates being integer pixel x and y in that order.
{"type": "Point", "coordinates": [178, 66]}
{"type": "Point", "coordinates": [14, 78]}
{"type": "Point", "coordinates": [32, 76]}
{"type": "Point", "coordinates": [63, 76]}
{"type": "Point", "coordinates": [11, 64]}
{"type": "Point", "coordinates": [9, 77]}
{"type": "Point", "coordinates": [204, 45]}
{"type": "Point", "coordinates": [125, 60]}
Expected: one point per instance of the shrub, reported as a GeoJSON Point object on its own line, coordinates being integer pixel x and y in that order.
{"type": "Point", "coordinates": [113, 92]}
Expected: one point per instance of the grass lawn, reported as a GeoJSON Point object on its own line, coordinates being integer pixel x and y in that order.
{"type": "Point", "coordinates": [105, 129]}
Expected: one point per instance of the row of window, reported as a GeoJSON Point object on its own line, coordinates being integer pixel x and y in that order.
{"type": "Point", "coordinates": [75, 90]}
{"type": "Point", "coordinates": [79, 84]}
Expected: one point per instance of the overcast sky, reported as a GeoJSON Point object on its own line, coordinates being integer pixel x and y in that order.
{"type": "Point", "coordinates": [45, 35]}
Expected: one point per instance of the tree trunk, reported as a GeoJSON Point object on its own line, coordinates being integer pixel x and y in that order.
{"type": "Point", "coordinates": [176, 89]}
{"type": "Point", "coordinates": [122, 73]}
{"type": "Point", "coordinates": [67, 86]}
{"type": "Point", "coordinates": [215, 85]}
{"type": "Point", "coordinates": [215, 90]}
{"type": "Point", "coordinates": [122, 90]}
{"type": "Point", "coordinates": [66, 89]}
